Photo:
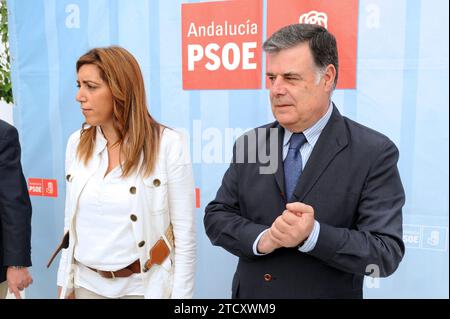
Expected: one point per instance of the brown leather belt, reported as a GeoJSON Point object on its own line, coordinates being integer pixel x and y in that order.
{"type": "Point", "coordinates": [133, 268]}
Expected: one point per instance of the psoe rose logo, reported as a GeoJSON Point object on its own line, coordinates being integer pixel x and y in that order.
{"type": "Point", "coordinates": [340, 17]}
{"type": "Point", "coordinates": [314, 17]}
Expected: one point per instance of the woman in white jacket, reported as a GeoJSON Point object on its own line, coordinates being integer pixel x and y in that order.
{"type": "Point", "coordinates": [129, 216]}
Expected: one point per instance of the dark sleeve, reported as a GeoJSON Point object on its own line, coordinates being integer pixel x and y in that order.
{"type": "Point", "coordinates": [224, 224]}
{"type": "Point", "coordinates": [376, 243]}
{"type": "Point", "coordinates": [15, 206]}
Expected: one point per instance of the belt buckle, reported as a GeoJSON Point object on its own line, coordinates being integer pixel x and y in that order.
{"type": "Point", "coordinates": [100, 272]}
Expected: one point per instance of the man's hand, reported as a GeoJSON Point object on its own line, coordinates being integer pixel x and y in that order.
{"type": "Point", "coordinates": [266, 243]}
{"type": "Point", "coordinates": [18, 279]}
{"type": "Point", "coordinates": [294, 226]}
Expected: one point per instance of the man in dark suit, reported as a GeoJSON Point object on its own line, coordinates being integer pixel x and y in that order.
{"type": "Point", "coordinates": [330, 211]}
{"type": "Point", "coordinates": [15, 216]}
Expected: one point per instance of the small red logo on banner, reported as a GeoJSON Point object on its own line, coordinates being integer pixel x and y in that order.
{"type": "Point", "coordinates": [221, 44]}
{"type": "Point", "coordinates": [340, 17]}
{"type": "Point", "coordinates": [42, 187]}
{"type": "Point", "coordinates": [197, 197]}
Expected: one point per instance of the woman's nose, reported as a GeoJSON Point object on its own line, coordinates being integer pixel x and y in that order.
{"type": "Point", "coordinates": [80, 96]}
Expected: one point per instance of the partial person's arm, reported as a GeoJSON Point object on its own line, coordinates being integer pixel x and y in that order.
{"type": "Point", "coordinates": [15, 212]}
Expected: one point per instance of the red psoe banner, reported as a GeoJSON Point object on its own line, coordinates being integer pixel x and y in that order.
{"type": "Point", "coordinates": [221, 45]}
{"type": "Point", "coordinates": [42, 187]}
{"type": "Point", "coordinates": [340, 17]}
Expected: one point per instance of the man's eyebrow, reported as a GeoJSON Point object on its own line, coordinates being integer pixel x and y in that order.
{"type": "Point", "coordinates": [287, 74]}
{"type": "Point", "coordinates": [290, 74]}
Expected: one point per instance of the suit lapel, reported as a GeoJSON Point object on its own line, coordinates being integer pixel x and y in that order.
{"type": "Point", "coordinates": [331, 141]}
{"type": "Point", "coordinates": [84, 172]}
{"type": "Point", "coordinates": [279, 174]}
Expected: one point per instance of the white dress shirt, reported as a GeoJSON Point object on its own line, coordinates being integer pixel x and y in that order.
{"type": "Point", "coordinates": [105, 239]}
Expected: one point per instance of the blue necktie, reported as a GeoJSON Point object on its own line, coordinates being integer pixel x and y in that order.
{"type": "Point", "coordinates": [293, 163]}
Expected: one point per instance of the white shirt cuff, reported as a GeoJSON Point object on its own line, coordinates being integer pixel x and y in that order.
{"type": "Point", "coordinates": [310, 243]}
{"type": "Point", "coordinates": [255, 244]}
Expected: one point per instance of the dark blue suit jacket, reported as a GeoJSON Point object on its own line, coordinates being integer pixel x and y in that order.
{"type": "Point", "coordinates": [352, 182]}
{"type": "Point", "coordinates": [15, 206]}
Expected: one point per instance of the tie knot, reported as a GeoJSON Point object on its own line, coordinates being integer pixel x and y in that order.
{"type": "Point", "coordinates": [297, 140]}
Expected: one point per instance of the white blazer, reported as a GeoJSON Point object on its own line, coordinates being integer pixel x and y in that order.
{"type": "Point", "coordinates": [163, 198]}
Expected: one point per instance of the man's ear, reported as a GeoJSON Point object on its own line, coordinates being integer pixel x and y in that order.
{"type": "Point", "coordinates": [329, 76]}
